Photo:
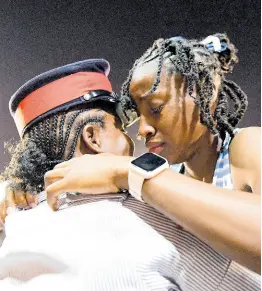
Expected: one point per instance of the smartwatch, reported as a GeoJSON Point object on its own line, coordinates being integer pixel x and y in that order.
{"type": "Point", "coordinates": [144, 167]}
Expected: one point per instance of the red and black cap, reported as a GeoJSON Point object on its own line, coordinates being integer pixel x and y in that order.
{"type": "Point", "coordinates": [57, 90]}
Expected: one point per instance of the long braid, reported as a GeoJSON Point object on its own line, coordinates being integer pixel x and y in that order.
{"type": "Point", "coordinates": [232, 116]}
{"type": "Point", "coordinates": [198, 64]}
{"type": "Point", "coordinates": [126, 84]}
{"type": "Point", "coordinates": [161, 51]}
{"type": "Point", "coordinates": [207, 95]}
{"type": "Point", "coordinates": [240, 99]}
{"type": "Point", "coordinates": [221, 114]}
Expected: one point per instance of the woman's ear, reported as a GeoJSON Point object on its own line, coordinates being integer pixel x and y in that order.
{"type": "Point", "coordinates": [91, 139]}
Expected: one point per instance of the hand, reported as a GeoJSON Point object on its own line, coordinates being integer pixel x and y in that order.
{"type": "Point", "coordinates": [10, 200]}
{"type": "Point", "coordinates": [88, 174]}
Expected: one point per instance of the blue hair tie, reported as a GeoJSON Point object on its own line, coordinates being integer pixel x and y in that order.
{"type": "Point", "coordinates": [214, 44]}
{"type": "Point", "coordinates": [210, 46]}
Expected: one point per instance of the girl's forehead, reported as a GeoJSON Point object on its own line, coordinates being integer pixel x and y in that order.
{"type": "Point", "coordinates": [145, 70]}
{"type": "Point", "coordinates": [144, 78]}
{"type": "Point", "coordinates": [145, 74]}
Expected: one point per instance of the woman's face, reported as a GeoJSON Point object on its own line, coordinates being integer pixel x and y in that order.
{"type": "Point", "coordinates": [169, 118]}
{"type": "Point", "coordinates": [113, 139]}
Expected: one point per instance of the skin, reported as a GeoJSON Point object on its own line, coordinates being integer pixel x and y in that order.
{"type": "Point", "coordinates": [110, 139]}
{"type": "Point", "coordinates": [11, 199]}
{"type": "Point", "coordinates": [93, 140]}
{"type": "Point", "coordinates": [179, 137]}
{"type": "Point", "coordinates": [183, 137]}
{"type": "Point", "coordinates": [229, 221]}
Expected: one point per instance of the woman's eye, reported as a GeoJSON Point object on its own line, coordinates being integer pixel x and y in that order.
{"type": "Point", "coordinates": [157, 110]}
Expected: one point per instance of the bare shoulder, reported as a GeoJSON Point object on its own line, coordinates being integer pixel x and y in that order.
{"type": "Point", "coordinates": [245, 157]}
{"type": "Point", "coordinates": [245, 148]}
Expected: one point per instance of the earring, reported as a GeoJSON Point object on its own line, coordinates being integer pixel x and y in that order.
{"type": "Point", "coordinates": [138, 137]}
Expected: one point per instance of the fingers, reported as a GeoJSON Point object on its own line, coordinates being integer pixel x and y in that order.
{"type": "Point", "coordinates": [31, 199]}
{"type": "Point", "coordinates": [8, 203]}
{"type": "Point", "coordinates": [64, 164]}
{"type": "Point", "coordinates": [3, 214]}
{"type": "Point", "coordinates": [1, 224]}
{"type": "Point", "coordinates": [70, 162]}
{"type": "Point", "coordinates": [12, 200]}
{"type": "Point", "coordinates": [20, 199]}
{"type": "Point", "coordinates": [10, 197]}
{"type": "Point", "coordinates": [54, 175]}
{"type": "Point", "coordinates": [55, 184]}
{"type": "Point", "coordinates": [54, 190]}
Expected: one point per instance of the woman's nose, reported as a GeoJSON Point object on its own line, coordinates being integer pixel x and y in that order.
{"type": "Point", "coordinates": [145, 129]}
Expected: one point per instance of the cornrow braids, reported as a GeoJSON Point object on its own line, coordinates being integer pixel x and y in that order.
{"type": "Point", "coordinates": [68, 130]}
{"type": "Point", "coordinates": [46, 142]}
{"type": "Point", "coordinates": [198, 64]}
{"type": "Point", "coordinates": [42, 130]}
{"type": "Point", "coordinates": [61, 131]}
{"type": "Point", "coordinates": [95, 120]}
{"type": "Point", "coordinates": [43, 146]}
{"type": "Point", "coordinates": [53, 136]}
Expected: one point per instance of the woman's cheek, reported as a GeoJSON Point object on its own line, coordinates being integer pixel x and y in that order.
{"type": "Point", "coordinates": [121, 146]}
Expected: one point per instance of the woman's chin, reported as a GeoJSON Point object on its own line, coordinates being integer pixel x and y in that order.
{"type": "Point", "coordinates": [173, 157]}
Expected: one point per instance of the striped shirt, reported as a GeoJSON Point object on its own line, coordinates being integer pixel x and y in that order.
{"type": "Point", "coordinates": [138, 248]}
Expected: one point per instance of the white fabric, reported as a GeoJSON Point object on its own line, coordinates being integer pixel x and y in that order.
{"type": "Point", "coordinates": [95, 246]}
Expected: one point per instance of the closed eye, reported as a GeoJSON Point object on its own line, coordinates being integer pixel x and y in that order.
{"type": "Point", "coordinates": [157, 110]}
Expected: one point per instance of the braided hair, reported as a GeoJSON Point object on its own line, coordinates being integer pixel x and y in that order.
{"type": "Point", "coordinates": [45, 144]}
{"type": "Point", "coordinates": [198, 64]}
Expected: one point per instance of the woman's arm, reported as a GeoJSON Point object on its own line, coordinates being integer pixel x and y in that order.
{"type": "Point", "coordinates": [227, 220]}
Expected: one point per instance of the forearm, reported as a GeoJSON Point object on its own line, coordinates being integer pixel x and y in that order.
{"type": "Point", "coordinates": [229, 221]}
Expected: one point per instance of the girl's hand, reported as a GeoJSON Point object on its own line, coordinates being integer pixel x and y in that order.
{"type": "Point", "coordinates": [88, 174]}
{"type": "Point", "coordinates": [10, 201]}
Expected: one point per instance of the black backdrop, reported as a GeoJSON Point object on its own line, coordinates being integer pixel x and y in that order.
{"type": "Point", "coordinates": [39, 35]}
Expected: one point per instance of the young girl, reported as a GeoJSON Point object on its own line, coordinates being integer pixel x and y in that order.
{"type": "Point", "coordinates": [179, 89]}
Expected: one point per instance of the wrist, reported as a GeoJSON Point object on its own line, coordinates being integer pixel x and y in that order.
{"type": "Point", "coordinates": [121, 172]}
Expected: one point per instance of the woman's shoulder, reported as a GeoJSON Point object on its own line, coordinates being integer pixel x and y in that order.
{"type": "Point", "coordinates": [244, 156]}
{"type": "Point", "coordinates": [246, 142]}
{"type": "Point", "coordinates": [247, 130]}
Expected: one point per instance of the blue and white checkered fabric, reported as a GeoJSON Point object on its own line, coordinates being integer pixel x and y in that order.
{"type": "Point", "coordinates": [222, 176]}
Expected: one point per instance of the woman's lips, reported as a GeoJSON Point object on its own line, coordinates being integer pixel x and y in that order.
{"type": "Point", "coordinates": [156, 148]}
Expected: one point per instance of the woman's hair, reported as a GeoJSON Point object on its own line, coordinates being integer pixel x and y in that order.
{"type": "Point", "coordinates": [45, 144]}
{"type": "Point", "coordinates": [198, 64]}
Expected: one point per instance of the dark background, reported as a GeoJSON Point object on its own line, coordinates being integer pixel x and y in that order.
{"type": "Point", "coordinates": [36, 36]}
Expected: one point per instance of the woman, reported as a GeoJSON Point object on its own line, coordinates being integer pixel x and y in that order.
{"type": "Point", "coordinates": [180, 92]}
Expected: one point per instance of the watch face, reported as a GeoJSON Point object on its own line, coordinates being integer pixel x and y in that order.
{"type": "Point", "coordinates": [149, 162]}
